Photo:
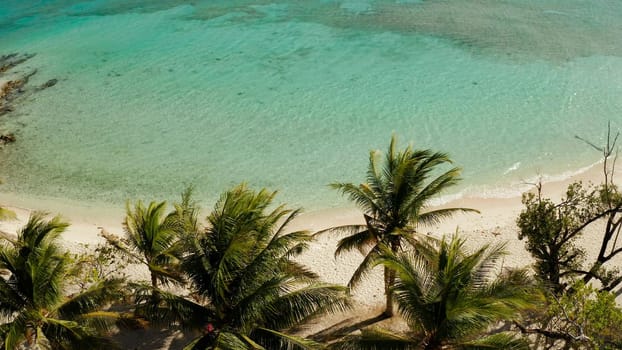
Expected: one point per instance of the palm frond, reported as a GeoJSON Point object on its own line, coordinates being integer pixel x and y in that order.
{"type": "Point", "coordinates": [148, 230]}
{"type": "Point", "coordinates": [116, 242]}
{"type": "Point", "coordinates": [11, 300]}
{"type": "Point", "coordinates": [302, 272]}
{"type": "Point", "coordinates": [342, 230]}
{"type": "Point", "coordinates": [485, 266]}
{"type": "Point", "coordinates": [221, 341]}
{"type": "Point", "coordinates": [415, 286]}
{"type": "Point", "coordinates": [69, 334]}
{"type": "Point", "coordinates": [274, 258]}
{"type": "Point", "coordinates": [253, 307]}
{"type": "Point", "coordinates": [153, 237]}
{"type": "Point", "coordinates": [38, 231]}
{"type": "Point", "coordinates": [376, 184]}
{"type": "Point", "coordinates": [45, 271]}
{"type": "Point", "coordinates": [251, 342]}
{"type": "Point", "coordinates": [187, 211]}
{"type": "Point", "coordinates": [304, 303]}
{"type": "Point", "coordinates": [361, 195]}
{"type": "Point", "coordinates": [167, 273]}
{"type": "Point", "coordinates": [170, 309]}
{"type": "Point", "coordinates": [9, 256]}
{"type": "Point", "coordinates": [100, 321]}
{"type": "Point", "coordinates": [233, 261]}
{"type": "Point", "coordinates": [291, 341]}
{"type": "Point", "coordinates": [434, 217]}
{"type": "Point", "coordinates": [450, 294]}
{"type": "Point", "coordinates": [14, 332]}
{"type": "Point", "coordinates": [363, 241]}
{"type": "Point", "coordinates": [439, 184]}
{"type": "Point", "coordinates": [289, 217]}
{"type": "Point", "coordinates": [364, 267]}
{"type": "Point", "coordinates": [501, 341]}
{"type": "Point", "coordinates": [94, 298]}
{"type": "Point", "coordinates": [514, 289]}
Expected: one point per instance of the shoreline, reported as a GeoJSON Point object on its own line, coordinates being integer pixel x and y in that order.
{"type": "Point", "coordinates": [495, 211]}
{"type": "Point", "coordinates": [110, 214]}
{"type": "Point", "coordinates": [494, 224]}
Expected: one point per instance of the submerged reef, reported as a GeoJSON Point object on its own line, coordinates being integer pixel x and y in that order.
{"type": "Point", "coordinates": [14, 87]}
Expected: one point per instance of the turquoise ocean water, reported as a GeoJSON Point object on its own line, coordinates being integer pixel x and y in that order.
{"type": "Point", "coordinates": [291, 95]}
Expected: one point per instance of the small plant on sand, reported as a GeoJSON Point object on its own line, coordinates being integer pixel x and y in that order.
{"type": "Point", "coordinates": [97, 263]}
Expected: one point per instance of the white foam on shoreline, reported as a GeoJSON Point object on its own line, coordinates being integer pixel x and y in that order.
{"type": "Point", "coordinates": [517, 187]}
{"type": "Point", "coordinates": [514, 167]}
{"type": "Point", "coordinates": [111, 214]}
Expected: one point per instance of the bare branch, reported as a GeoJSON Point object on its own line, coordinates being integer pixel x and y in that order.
{"type": "Point", "coordinates": [600, 149]}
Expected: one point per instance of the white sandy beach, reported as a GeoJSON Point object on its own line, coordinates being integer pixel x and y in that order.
{"type": "Point", "coordinates": [494, 224]}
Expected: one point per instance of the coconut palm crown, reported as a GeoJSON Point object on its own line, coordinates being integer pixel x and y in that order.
{"type": "Point", "coordinates": [152, 238]}
{"type": "Point", "coordinates": [394, 201]}
{"type": "Point", "coordinates": [449, 298]}
{"type": "Point", "coordinates": [247, 289]}
{"type": "Point", "coordinates": [35, 311]}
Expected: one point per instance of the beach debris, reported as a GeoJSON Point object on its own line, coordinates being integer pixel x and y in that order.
{"type": "Point", "coordinates": [48, 84]}
{"type": "Point", "coordinates": [7, 138]}
{"type": "Point", "coordinates": [110, 237]}
{"type": "Point", "coordinates": [496, 231]}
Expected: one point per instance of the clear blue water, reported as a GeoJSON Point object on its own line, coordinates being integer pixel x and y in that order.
{"type": "Point", "coordinates": [292, 95]}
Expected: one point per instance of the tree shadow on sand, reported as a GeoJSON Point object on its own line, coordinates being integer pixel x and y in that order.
{"type": "Point", "coordinates": [345, 327]}
{"type": "Point", "coordinates": [152, 338]}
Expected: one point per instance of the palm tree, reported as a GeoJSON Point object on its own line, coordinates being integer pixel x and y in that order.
{"type": "Point", "coordinates": [449, 298]}
{"type": "Point", "coordinates": [34, 309]}
{"type": "Point", "coordinates": [394, 201]}
{"type": "Point", "coordinates": [247, 289]}
{"type": "Point", "coordinates": [152, 238]}
{"type": "Point", "coordinates": [187, 213]}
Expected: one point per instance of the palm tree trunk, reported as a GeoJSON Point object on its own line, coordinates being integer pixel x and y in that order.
{"type": "Point", "coordinates": [154, 291]}
{"type": "Point", "coordinates": [389, 278]}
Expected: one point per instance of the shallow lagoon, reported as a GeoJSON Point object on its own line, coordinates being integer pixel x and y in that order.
{"type": "Point", "coordinates": [291, 95]}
